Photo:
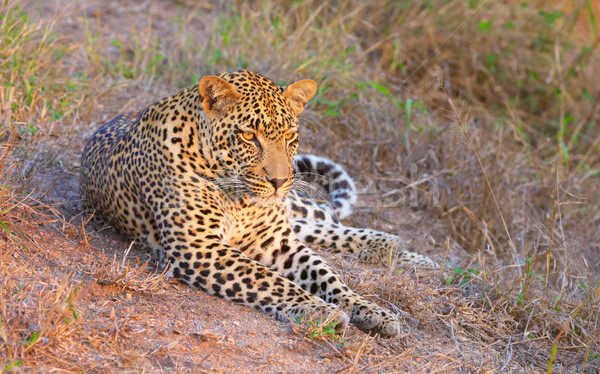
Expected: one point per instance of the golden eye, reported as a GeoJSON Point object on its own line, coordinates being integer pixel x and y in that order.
{"type": "Point", "coordinates": [289, 135]}
{"type": "Point", "coordinates": [248, 135]}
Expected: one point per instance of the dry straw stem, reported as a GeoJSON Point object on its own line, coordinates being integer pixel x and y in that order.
{"type": "Point", "coordinates": [465, 132]}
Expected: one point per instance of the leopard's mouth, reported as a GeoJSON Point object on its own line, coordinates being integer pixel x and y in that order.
{"type": "Point", "coordinates": [265, 201]}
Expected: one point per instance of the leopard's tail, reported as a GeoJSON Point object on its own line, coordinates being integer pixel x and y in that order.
{"type": "Point", "coordinates": [331, 177]}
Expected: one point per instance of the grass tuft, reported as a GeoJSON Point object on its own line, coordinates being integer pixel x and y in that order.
{"type": "Point", "coordinates": [126, 276]}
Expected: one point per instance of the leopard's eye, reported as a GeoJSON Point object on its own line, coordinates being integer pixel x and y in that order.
{"type": "Point", "coordinates": [248, 135]}
{"type": "Point", "coordinates": [290, 135]}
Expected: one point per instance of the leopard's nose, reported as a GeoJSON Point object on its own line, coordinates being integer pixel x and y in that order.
{"type": "Point", "coordinates": [277, 182]}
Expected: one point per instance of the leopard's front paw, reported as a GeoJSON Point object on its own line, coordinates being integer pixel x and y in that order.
{"type": "Point", "coordinates": [373, 319]}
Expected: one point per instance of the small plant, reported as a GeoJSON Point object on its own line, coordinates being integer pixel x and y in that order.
{"type": "Point", "coordinates": [322, 329]}
{"type": "Point", "coordinates": [34, 338]}
{"type": "Point", "coordinates": [406, 106]}
{"type": "Point", "coordinates": [13, 366]}
{"type": "Point", "coordinates": [464, 276]}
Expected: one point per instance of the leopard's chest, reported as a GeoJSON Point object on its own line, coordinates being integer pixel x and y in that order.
{"type": "Point", "coordinates": [258, 228]}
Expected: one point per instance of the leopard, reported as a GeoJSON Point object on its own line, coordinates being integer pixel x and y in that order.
{"type": "Point", "coordinates": [210, 181]}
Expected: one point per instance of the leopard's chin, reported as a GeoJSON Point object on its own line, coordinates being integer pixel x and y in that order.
{"type": "Point", "coordinates": [267, 201]}
{"type": "Point", "coordinates": [265, 198]}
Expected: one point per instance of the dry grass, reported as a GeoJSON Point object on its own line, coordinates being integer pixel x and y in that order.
{"type": "Point", "coordinates": [479, 119]}
{"type": "Point", "coordinates": [124, 275]}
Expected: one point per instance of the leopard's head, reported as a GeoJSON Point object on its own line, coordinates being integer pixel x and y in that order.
{"type": "Point", "coordinates": [250, 130]}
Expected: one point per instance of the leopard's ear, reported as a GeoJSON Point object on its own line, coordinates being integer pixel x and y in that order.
{"type": "Point", "coordinates": [299, 93]}
{"type": "Point", "coordinates": [217, 94]}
